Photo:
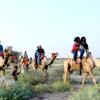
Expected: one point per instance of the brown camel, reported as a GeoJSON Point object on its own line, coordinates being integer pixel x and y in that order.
{"type": "Point", "coordinates": [44, 65]}
{"type": "Point", "coordinates": [88, 64]}
{"type": "Point", "coordinates": [5, 61]}
{"type": "Point", "coordinates": [2, 65]}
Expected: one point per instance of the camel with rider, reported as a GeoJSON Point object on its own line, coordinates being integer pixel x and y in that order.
{"type": "Point", "coordinates": [6, 60]}
{"type": "Point", "coordinates": [88, 64]}
{"type": "Point", "coordinates": [44, 65]}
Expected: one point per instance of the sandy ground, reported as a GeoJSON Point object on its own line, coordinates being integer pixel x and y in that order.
{"type": "Point", "coordinates": [54, 96]}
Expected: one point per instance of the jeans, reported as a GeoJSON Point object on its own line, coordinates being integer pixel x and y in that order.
{"type": "Point", "coordinates": [82, 51]}
{"type": "Point", "coordinates": [75, 53]}
{"type": "Point", "coordinates": [38, 58]}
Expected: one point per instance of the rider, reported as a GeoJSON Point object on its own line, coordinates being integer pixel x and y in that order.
{"type": "Point", "coordinates": [1, 50]}
{"type": "Point", "coordinates": [75, 48]}
{"type": "Point", "coordinates": [25, 54]}
{"type": "Point", "coordinates": [83, 47]}
{"type": "Point", "coordinates": [39, 54]}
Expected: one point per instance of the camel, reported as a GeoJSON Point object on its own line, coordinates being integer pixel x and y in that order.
{"type": "Point", "coordinates": [5, 61]}
{"type": "Point", "coordinates": [44, 65]}
{"type": "Point", "coordinates": [88, 64]}
{"type": "Point", "coordinates": [2, 65]}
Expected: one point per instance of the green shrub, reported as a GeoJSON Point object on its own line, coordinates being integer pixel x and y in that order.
{"type": "Point", "coordinates": [41, 88]}
{"type": "Point", "coordinates": [61, 86]}
{"type": "Point", "coordinates": [15, 92]}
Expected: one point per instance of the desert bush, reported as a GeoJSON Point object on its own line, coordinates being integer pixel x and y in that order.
{"type": "Point", "coordinates": [60, 86]}
{"type": "Point", "coordinates": [20, 90]}
{"type": "Point", "coordinates": [41, 88]}
{"type": "Point", "coordinates": [15, 92]}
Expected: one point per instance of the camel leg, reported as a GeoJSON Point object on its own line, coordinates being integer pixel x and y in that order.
{"type": "Point", "coordinates": [66, 72]}
{"type": "Point", "coordinates": [27, 67]}
{"type": "Point", "coordinates": [65, 77]}
{"type": "Point", "coordinates": [4, 72]}
{"type": "Point", "coordinates": [84, 78]}
{"type": "Point", "coordinates": [34, 67]}
{"type": "Point", "coordinates": [93, 78]}
{"type": "Point", "coordinates": [45, 74]}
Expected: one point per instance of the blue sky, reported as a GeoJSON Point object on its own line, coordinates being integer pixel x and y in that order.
{"type": "Point", "coordinates": [24, 24]}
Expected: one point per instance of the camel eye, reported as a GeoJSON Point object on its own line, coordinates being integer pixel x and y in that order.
{"type": "Point", "coordinates": [52, 53]}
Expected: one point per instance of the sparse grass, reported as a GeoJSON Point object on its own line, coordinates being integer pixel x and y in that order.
{"type": "Point", "coordinates": [57, 61]}
{"type": "Point", "coordinates": [57, 86]}
{"type": "Point", "coordinates": [89, 93]}
{"type": "Point", "coordinates": [60, 86]}
{"type": "Point", "coordinates": [55, 75]}
{"type": "Point", "coordinates": [96, 71]}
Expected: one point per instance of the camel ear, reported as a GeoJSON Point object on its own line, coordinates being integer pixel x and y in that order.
{"type": "Point", "coordinates": [57, 53]}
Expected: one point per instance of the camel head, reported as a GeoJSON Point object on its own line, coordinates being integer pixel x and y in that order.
{"type": "Point", "coordinates": [54, 55]}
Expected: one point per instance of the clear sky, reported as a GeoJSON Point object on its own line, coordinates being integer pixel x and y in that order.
{"type": "Point", "coordinates": [24, 24]}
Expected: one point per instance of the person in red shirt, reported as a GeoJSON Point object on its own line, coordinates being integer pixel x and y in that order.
{"type": "Point", "coordinates": [75, 47]}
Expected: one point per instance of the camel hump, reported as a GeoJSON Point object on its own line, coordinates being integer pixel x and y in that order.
{"type": "Point", "coordinates": [1, 61]}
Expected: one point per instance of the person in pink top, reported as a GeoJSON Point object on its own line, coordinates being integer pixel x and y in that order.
{"type": "Point", "coordinates": [75, 48]}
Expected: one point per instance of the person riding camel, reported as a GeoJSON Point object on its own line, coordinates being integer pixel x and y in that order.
{"type": "Point", "coordinates": [25, 54]}
{"type": "Point", "coordinates": [39, 54]}
{"type": "Point", "coordinates": [75, 48]}
{"type": "Point", "coordinates": [7, 56]}
{"type": "Point", "coordinates": [1, 50]}
{"type": "Point", "coordinates": [25, 58]}
{"type": "Point", "coordinates": [83, 47]}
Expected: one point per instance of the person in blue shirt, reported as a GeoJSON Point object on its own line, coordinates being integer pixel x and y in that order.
{"type": "Point", "coordinates": [39, 54]}
{"type": "Point", "coordinates": [1, 50]}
